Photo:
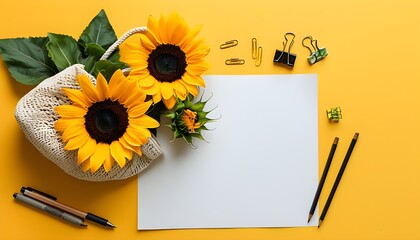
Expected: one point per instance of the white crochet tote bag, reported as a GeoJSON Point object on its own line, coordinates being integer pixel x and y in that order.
{"type": "Point", "coordinates": [36, 116]}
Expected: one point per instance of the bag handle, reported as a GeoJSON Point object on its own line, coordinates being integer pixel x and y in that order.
{"type": "Point", "coordinates": [116, 44]}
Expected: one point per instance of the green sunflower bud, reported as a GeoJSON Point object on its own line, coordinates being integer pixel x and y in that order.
{"type": "Point", "coordinates": [188, 119]}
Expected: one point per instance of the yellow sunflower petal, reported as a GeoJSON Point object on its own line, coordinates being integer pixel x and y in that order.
{"type": "Point", "coordinates": [63, 123]}
{"type": "Point", "coordinates": [137, 150]}
{"type": "Point", "coordinates": [139, 69]}
{"type": "Point", "coordinates": [76, 142]}
{"type": "Point", "coordinates": [153, 89]}
{"type": "Point", "coordinates": [198, 54]}
{"type": "Point", "coordinates": [72, 132]}
{"type": "Point", "coordinates": [144, 121]}
{"type": "Point", "coordinates": [135, 99]}
{"type": "Point", "coordinates": [157, 98]}
{"type": "Point", "coordinates": [194, 46]}
{"type": "Point", "coordinates": [128, 154]}
{"type": "Point", "coordinates": [102, 87]}
{"type": "Point", "coordinates": [115, 83]}
{"type": "Point", "coordinates": [167, 90]}
{"type": "Point", "coordinates": [85, 166]}
{"type": "Point", "coordinates": [70, 111]}
{"type": "Point", "coordinates": [109, 161]}
{"type": "Point", "coordinates": [77, 97]}
{"type": "Point", "coordinates": [176, 29]}
{"type": "Point", "coordinates": [191, 36]}
{"type": "Point", "coordinates": [130, 89]}
{"type": "Point", "coordinates": [99, 156]}
{"type": "Point", "coordinates": [87, 87]}
{"type": "Point", "coordinates": [86, 150]}
{"type": "Point", "coordinates": [180, 95]}
{"type": "Point", "coordinates": [147, 43]}
{"type": "Point", "coordinates": [180, 89]}
{"type": "Point", "coordinates": [191, 89]}
{"type": "Point", "coordinates": [127, 148]}
{"type": "Point", "coordinates": [142, 134]}
{"type": "Point", "coordinates": [147, 81]}
{"type": "Point", "coordinates": [117, 153]}
{"type": "Point", "coordinates": [133, 53]}
{"type": "Point", "coordinates": [196, 80]}
{"type": "Point", "coordinates": [139, 109]}
{"type": "Point", "coordinates": [169, 103]}
{"type": "Point", "coordinates": [162, 29]}
{"type": "Point", "coordinates": [153, 29]}
{"type": "Point", "coordinates": [197, 68]}
{"type": "Point", "coordinates": [131, 138]}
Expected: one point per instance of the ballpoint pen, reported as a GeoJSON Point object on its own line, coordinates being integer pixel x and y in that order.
{"type": "Point", "coordinates": [49, 209]}
{"type": "Point", "coordinates": [48, 199]}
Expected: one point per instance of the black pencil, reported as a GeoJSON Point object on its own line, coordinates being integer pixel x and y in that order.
{"type": "Point", "coordinates": [337, 180]}
{"type": "Point", "coordinates": [322, 181]}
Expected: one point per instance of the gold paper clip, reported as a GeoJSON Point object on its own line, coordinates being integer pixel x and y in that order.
{"type": "Point", "coordinates": [229, 44]}
{"type": "Point", "coordinates": [234, 61]}
{"type": "Point", "coordinates": [254, 48]}
{"type": "Point", "coordinates": [258, 60]}
{"type": "Point", "coordinates": [256, 52]}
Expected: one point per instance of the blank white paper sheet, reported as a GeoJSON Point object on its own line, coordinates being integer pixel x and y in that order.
{"type": "Point", "coordinates": [258, 168]}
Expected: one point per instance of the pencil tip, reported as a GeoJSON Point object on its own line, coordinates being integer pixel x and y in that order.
{"type": "Point", "coordinates": [309, 217]}
{"type": "Point", "coordinates": [111, 225]}
{"type": "Point", "coordinates": [356, 135]}
{"type": "Point", "coordinates": [319, 223]}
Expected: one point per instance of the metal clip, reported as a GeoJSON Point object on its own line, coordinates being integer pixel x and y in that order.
{"type": "Point", "coordinates": [229, 44]}
{"type": "Point", "coordinates": [259, 57]}
{"type": "Point", "coordinates": [317, 54]}
{"type": "Point", "coordinates": [286, 58]}
{"type": "Point", "coordinates": [334, 114]}
{"type": "Point", "coordinates": [234, 61]}
{"type": "Point", "coordinates": [254, 48]}
{"type": "Point", "coordinates": [256, 52]}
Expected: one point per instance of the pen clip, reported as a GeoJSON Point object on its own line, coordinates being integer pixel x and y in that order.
{"type": "Point", "coordinates": [22, 190]}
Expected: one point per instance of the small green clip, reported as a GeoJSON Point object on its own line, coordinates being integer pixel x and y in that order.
{"type": "Point", "coordinates": [317, 54]}
{"type": "Point", "coordinates": [334, 114]}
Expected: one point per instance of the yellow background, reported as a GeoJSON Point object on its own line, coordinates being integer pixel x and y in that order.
{"type": "Point", "coordinates": [372, 72]}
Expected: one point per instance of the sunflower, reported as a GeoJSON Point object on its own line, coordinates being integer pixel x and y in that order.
{"type": "Point", "coordinates": [106, 123]}
{"type": "Point", "coordinates": [188, 119]}
{"type": "Point", "coordinates": [168, 60]}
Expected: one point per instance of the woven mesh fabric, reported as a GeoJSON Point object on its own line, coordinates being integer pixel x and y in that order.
{"type": "Point", "coordinates": [36, 117]}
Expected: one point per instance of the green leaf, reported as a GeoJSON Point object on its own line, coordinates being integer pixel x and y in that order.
{"type": "Point", "coordinates": [99, 31]}
{"type": "Point", "coordinates": [27, 59]}
{"type": "Point", "coordinates": [115, 57]}
{"type": "Point", "coordinates": [94, 49]}
{"type": "Point", "coordinates": [106, 68]}
{"type": "Point", "coordinates": [94, 53]}
{"type": "Point", "coordinates": [63, 50]}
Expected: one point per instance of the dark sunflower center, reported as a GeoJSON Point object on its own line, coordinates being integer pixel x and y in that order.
{"type": "Point", "coordinates": [106, 121]}
{"type": "Point", "coordinates": [167, 63]}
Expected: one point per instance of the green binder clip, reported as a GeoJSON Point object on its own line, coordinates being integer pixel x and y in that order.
{"type": "Point", "coordinates": [334, 114]}
{"type": "Point", "coordinates": [316, 53]}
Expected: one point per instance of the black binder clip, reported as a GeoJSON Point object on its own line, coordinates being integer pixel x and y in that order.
{"type": "Point", "coordinates": [286, 58]}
